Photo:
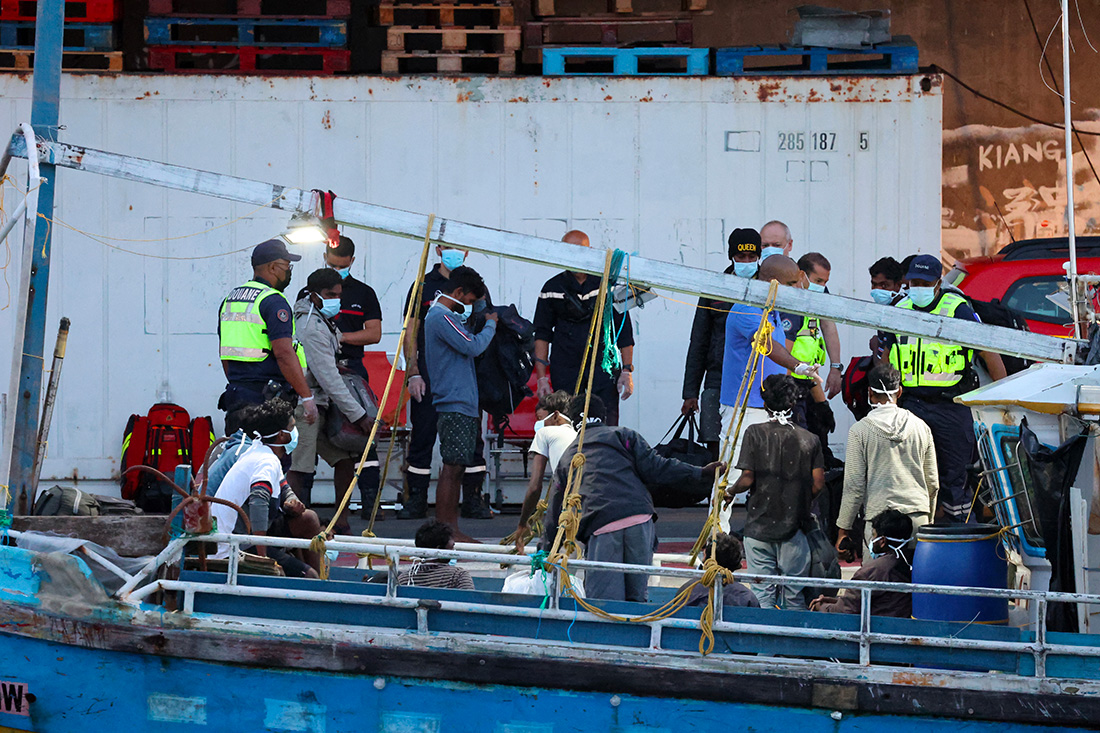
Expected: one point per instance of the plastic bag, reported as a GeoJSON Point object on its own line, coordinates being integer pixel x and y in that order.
{"type": "Point", "coordinates": [536, 584]}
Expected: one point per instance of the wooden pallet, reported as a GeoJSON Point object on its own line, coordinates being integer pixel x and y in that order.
{"type": "Point", "coordinates": [20, 59]}
{"type": "Point", "coordinates": [246, 32]}
{"type": "Point", "coordinates": [547, 8]}
{"type": "Point", "coordinates": [604, 30]}
{"type": "Point", "coordinates": [446, 14]}
{"type": "Point", "coordinates": [900, 56]}
{"type": "Point", "coordinates": [76, 11]}
{"type": "Point", "coordinates": [400, 62]}
{"type": "Point", "coordinates": [248, 60]}
{"type": "Point", "coordinates": [253, 8]}
{"type": "Point", "coordinates": [487, 40]}
{"type": "Point", "coordinates": [76, 37]}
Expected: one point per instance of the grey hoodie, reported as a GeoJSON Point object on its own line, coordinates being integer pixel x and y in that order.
{"type": "Point", "coordinates": [890, 464]}
{"type": "Point", "coordinates": [318, 338]}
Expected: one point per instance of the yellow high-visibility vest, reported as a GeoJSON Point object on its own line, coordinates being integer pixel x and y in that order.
{"type": "Point", "coordinates": [243, 333]}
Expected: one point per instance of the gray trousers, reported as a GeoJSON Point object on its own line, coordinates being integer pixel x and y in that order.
{"type": "Point", "coordinates": [631, 546]}
{"type": "Point", "coordinates": [790, 557]}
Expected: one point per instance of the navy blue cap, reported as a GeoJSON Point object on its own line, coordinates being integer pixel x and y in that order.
{"type": "Point", "coordinates": [925, 267]}
{"type": "Point", "coordinates": [271, 250]}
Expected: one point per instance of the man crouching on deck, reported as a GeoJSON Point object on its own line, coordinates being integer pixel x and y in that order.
{"type": "Point", "coordinates": [616, 522]}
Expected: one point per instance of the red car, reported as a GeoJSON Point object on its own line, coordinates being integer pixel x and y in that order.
{"type": "Point", "coordinates": [1026, 276]}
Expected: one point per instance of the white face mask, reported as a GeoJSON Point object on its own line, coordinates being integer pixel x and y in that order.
{"type": "Point", "coordinates": [890, 393]}
{"type": "Point", "coordinates": [464, 314]}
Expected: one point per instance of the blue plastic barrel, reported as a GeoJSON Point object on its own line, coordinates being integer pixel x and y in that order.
{"type": "Point", "coordinates": [968, 555]}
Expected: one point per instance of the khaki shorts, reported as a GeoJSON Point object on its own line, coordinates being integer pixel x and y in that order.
{"type": "Point", "coordinates": [313, 442]}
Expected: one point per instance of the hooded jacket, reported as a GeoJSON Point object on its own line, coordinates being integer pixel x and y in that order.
{"type": "Point", "coordinates": [890, 464]}
{"type": "Point", "coordinates": [318, 338]}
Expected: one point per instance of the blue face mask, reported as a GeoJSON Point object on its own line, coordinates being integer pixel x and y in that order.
{"type": "Point", "coordinates": [465, 313]}
{"type": "Point", "coordinates": [746, 270]}
{"type": "Point", "coordinates": [882, 297]}
{"type": "Point", "coordinates": [452, 259]}
{"type": "Point", "coordinates": [343, 271]}
{"type": "Point", "coordinates": [922, 296]}
{"type": "Point", "coordinates": [815, 287]}
{"type": "Point", "coordinates": [769, 251]}
{"type": "Point", "coordinates": [330, 307]}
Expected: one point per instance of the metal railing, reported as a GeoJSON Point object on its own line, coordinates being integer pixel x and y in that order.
{"type": "Point", "coordinates": [1039, 649]}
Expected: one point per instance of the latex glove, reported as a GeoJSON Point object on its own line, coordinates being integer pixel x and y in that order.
{"type": "Point", "coordinates": [833, 383]}
{"type": "Point", "coordinates": [294, 507]}
{"type": "Point", "coordinates": [311, 413]}
{"type": "Point", "coordinates": [690, 406]}
{"type": "Point", "coordinates": [543, 387]}
{"type": "Point", "coordinates": [417, 387]}
{"type": "Point", "coordinates": [626, 385]}
{"type": "Point", "coordinates": [807, 370]}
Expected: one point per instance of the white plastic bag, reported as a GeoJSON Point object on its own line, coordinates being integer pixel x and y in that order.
{"type": "Point", "coordinates": [536, 584]}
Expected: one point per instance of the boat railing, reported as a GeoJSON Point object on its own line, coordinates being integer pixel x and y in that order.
{"type": "Point", "coordinates": [1039, 646]}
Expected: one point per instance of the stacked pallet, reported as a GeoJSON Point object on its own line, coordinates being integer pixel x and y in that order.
{"type": "Point", "coordinates": [463, 37]}
{"type": "Point", "coordinates": [90, 41]}
{"type": "Point", "coordinates": [620, 41]}
{"type": "Point", "coordinates": [295, 37]}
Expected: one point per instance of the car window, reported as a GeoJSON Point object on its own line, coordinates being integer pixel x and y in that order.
{"type": "Point", "coordinates": [955, 277]}
{"type": "Point", "coordinates": [1039, 298]}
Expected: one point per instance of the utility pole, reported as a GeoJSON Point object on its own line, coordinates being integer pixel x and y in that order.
{"type": "Point", "coordinates": [28, 365]}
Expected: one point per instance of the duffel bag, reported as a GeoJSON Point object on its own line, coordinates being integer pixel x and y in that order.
{"type": "Point", "coordinates": [688, 450]}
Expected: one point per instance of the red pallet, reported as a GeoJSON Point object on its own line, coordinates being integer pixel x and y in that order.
{"type": "Point", "coordinates": [248, 60]}
{"type": "Point", "coordinates": [76, 11]}
{"type": "Point", "coordinates": [252, 8]}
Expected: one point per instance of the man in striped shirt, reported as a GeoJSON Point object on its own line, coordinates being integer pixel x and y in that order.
{"type": "Point", "coordinates": [436, 573]}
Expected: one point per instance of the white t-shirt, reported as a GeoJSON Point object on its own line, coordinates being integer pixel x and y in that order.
{"type": "Point", "coordinates": [258, 464]}
{"type": "Point", "coordinates": [551, 441]}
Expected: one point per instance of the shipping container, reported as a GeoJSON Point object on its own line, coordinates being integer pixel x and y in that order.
{"type": "Point", "coordinates": [662, 167]}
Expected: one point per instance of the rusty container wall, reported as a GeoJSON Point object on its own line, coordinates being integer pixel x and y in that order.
{"type": "Point", "coordinates": [664, 167]}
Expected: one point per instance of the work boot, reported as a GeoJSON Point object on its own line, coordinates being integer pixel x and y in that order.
{"type": "Point", "coordinates": [475, 504]}
{"type": "Point", "coordinates": [368, 493]}
{"type": "Point", "coordinates": [417, 505]}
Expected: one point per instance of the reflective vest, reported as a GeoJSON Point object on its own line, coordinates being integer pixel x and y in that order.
{"type": "Point", "coordinates": [925, 363]}
{"type": "Point", "coordinates": [809, 344]}
{"type": "Point", "coordinates": [242, 328]}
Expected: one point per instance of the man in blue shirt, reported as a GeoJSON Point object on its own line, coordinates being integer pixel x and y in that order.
{"type": "Point", "coordinates": [741, 326]}
{"type": "Point", "coordinates": [450, 349]}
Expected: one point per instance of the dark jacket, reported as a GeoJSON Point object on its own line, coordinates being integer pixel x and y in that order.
{"type": "Point", "coordinates": [733, 594]}
{"type": "Point", "coordinates": [703, 369]}
{"type": "Point", "coordinates": [618, 465]}
{"type": "Point", "coordinates": [888, 569]}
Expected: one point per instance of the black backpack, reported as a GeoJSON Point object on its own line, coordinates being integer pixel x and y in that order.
{"type": "Point", "coordinates": [997, 314]}
{"type": "Point", "coordinates": [674, 496]}
{"type": "Point", "coordinates": [504, 369]}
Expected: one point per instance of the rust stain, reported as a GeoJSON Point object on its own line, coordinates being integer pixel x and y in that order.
{"type": "Point", "coordinates": [767, 90]}
{"type": "Point", "coordinates": [607, 98]}
{"type": "Point", "coordinates": [464, 97]}
{"type": "Point", "coordinates": [519, 99]}
{"type": "Point", "coordinates": [835, 87]}
{"type": "Point", "coordinates": [546, 83]}
{"type": "Point", "coordinates": [813, 96]}
{"type": "Point", "coordinates": [916, 678]}
{"type": "Point", "coordinates": [326, 121]}
{"type": "Point", "coordinates": [646, 98]}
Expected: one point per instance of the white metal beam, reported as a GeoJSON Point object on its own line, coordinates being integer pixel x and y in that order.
{"type": "Point", "coordinates": [643, 271]}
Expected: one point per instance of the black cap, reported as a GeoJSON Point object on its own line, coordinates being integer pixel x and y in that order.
{"type": "Point", "coordinates": [271, 250]}
{"type": "Point", "coordinates": [744, 241]}
{"type": "Point", "coordinates": [925, 267]}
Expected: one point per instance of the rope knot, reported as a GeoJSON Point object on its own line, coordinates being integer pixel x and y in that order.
{"type": "Point", "coordinates": [578, 460]}
{"type": "Point", "coordinates": [317, 544]}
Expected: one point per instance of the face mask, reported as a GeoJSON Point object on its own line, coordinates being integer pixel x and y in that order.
{"type": "Point", "coordinates": [882, 297]}
{"type": "Point", "coordinates": [815, 288]}
{"type": "Point", "coordinates": [922, 296]}
{"type": "Point", "coordinates": [466, 312]}
{"type": "Point", "coordinates": [343, 271]}
{"type": "Point", "coordinates": [540, 424]}
{"type": "Point", "coordinates": [746, 270]}
{"type": "Point", "coordinates": [891, 393]}
{"type": "Point", "coordinates": [452, 259]}
{"type": "Point", "coordinates": [289, 447]}
{"type": "Point", "coordinates": [330, 307]}
{"type": "Point", "coordinates": [769, 251]}
{"type": "Point", "coordinates": [283, 284]}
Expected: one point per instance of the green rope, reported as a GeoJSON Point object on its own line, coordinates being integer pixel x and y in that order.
{"type": "Point", "coordinates": [5, 525]}
{"type": "Point", "coordinates": [538, 561]}
{"type": "Point", "coordinates": [611, 360]}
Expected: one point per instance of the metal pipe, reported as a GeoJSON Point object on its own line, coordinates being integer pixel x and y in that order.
{"type": "Point", "coordinates": [1067, 102]}
{"type": "Point", "coordinates": [47, 407]}
{"type": "Point", "coordinates": [164, 556]}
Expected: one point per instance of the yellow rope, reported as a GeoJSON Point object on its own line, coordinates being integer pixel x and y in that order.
{"type": "Point", "coordinates": [318, 543]}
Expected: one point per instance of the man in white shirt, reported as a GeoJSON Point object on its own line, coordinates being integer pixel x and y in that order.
{"type": "Point", "coordinates": [257, 485]}
{"type": "Point", "coordinates": [553, 434]}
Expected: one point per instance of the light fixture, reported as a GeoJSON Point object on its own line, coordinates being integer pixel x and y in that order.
{"type": "Point", "coordinates": [305, 229]}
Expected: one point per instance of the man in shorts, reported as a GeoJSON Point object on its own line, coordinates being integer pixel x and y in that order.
{"type": "Point", "coordinates": [450, 350]}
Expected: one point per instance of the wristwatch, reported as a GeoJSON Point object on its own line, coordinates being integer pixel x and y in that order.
{"type": "Point", "coordinates": [628, 367]}
{"type": "Point", "coordinates": [837, 366]}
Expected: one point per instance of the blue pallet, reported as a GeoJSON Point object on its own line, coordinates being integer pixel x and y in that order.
{"type": "Point", "coordinates": [625, 60]}
{"type": "Point", "coordinates": [900, 56]}
{"type": "Point", "coordinates": [77, 36]}
{"type": "Point", "coordinates": [246, 32]}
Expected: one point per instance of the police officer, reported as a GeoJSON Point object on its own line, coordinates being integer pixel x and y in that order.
{"type": "Point", "coordinates": [566, 307]}
{"type": "Point", "coordinates": [706, 347]}
{"type": "Point", "coordinates": [360, 317]}
{"type": "Point", "coordinates": [422, 412]}
{"type": "Point", "coordinates": [933, 374]}
{"type": "Point", "coordinates": [258, 350]}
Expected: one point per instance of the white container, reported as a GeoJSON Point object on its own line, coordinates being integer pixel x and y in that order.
{"type": "Point", "coordinates": [664, 167]}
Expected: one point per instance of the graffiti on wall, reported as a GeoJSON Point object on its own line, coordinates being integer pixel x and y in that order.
{"type": "Point", "coordinates": [1005, 184]}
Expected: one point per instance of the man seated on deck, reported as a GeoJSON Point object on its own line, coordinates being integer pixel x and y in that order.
{"type": "Point", "coordinates": [891, 563]}
{"type": "Point", "coordinates": [436, 572]}
{"type": "Point", "coordinates": [616, 523]}
{"type": "Point", "coordinates": [257, 485]}
{"type": "Point", "coordinates": [730, 554]}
